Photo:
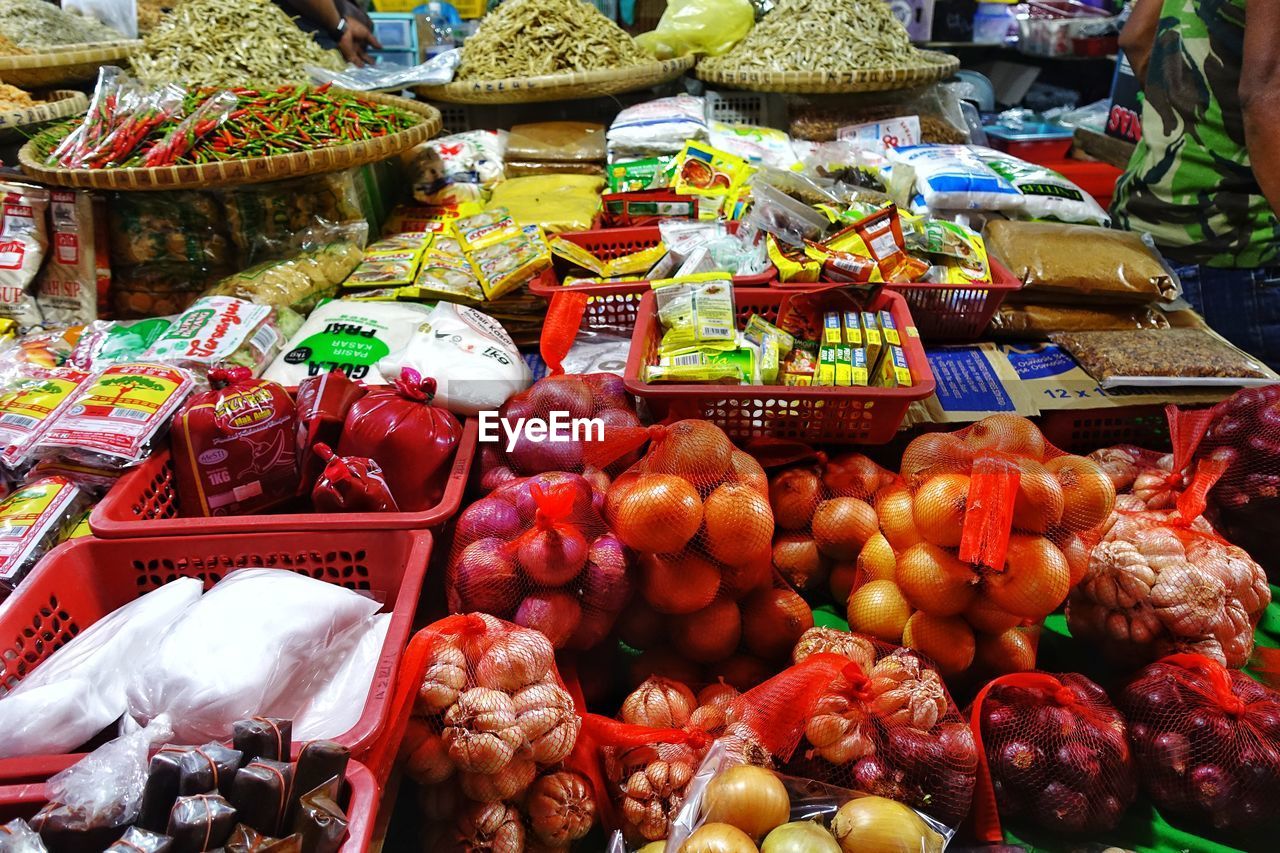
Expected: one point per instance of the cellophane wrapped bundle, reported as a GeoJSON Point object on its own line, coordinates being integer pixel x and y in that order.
{"type": "Point", "coordinates": [1206, 740]}
{"type": "Point", "coordinates": [991, 527]}
{"type": "Point", "coordinates": [537, 551]}
{"type": "Point", "coordinates": [1053, 752]}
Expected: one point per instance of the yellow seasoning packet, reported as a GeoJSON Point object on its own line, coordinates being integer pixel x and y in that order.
{"type": "Point", "coordinates": [486, 228]}
{"type": "Point", "coordinates": [852, 324]}
{"type": "Point", "coordinates": [706, 171]}
{"type": "Point", "coordinates": [385, 269]}
{"type": "Point", "coordinates": [757, 327]}
{"type": "Point", "coordinates": [770, 358]}
{"type": "Point", "coordinates": [797, 379]}
{"type": "Point", "coordinates": [792, 263]}
{"type": "Point", "coordinates": [858, 361]}
{"type": "Point", "coordinates": [888, 328]}
{"type": "Point", "coordinates": [844, 366]}
{"type": "Point", "coordinates": [831, 333]}
{"type": "Point", "coordinates": [893, 372]}
{"type": "Point", "coordinates": [826, 375]}
{"type": "Point", "coordinates": [871, 334]}
{"type": "Point", "coordinates": [503, 266]}
{"type": "Point", "coordinates": [696, 312]}
{"type": "Point", "coordinates": [408, 241]}
{"type": "Point", "coordinates": [578, 256]}
{"type": "Point", "coordinates": [712, 374]}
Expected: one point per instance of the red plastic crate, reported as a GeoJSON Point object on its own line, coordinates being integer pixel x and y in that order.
{"type": "Point", "coordinates": [23, 801]}
{"type": "Point", "coordinates": [945, 312]}
{"type": "Point", "coordinates": [1086, 430]}
{"type": "Point", "coordinates": [810, 414]}
{"type": "Point", "coordinates": [79, 582]}
{"type": "Point", "coordinates": [144, 503]}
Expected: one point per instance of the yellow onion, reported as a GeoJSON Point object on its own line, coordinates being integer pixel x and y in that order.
{"type": "Point", "coordinates": [801, 836]}
{"type": "Point", "coordinates": [751, 799]}
{"type": "Point", "coordinates": [718, 838]}
{"type": "Point", "coordinates": [878, 825]}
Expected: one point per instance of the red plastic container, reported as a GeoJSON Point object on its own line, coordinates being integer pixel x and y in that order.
{"type": "Point", "coordinates": [23, 801]}
{"type": "Point", "coordinates": [945, 312]}
{"type": "Point", "coordinates": [811, 414]}
{"type": "Point", "coordinates": [1086, 430]}
{"type": "Point", "coordinates": [144, 503]}
{"type": "Point", "coordinates": [80, 582]}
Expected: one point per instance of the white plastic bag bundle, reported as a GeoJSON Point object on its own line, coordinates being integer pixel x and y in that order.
{"type": "Point", "coordinates": [80, 689]}
{"type": "Point", "coordinates": [472, 358]}
{"type": "Point", "coordinates": [655, 128]}
{"type": "Point", "coordinates": [336, 706]}
{"type": "Point", "coordinates": [953, 177]}
{"type": "Point", "coordinates": [256, 639]}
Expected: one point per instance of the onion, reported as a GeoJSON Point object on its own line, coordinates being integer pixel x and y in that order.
{"type": "Point", "coordinates": [854, 475]}
{"type": "Point", "coordinates": [484, 579]}
{"type": "Point", "coordinates": [487, 517]}
{"type": "Point", "coordinates": [741, 671]}
{"type": "Point", "coordinates": [609, 390]}
{"type": "Point", "coordinates": [599, 481]}
{"type": "Point", "coordinates": [563, 393]}
{"type": "Point", "coordinates": [718, 838]}
{"type": "Point", "coordinates": [801, 836]}
{"type": "Point", "coordinates": [555, 614]}
{"type": "Point", "coordinates": [750, 798]}
{"type": "Point", "coordinates": [877, 825]}
{"type": "Point", "coordinates": [533, 457]}
{"type": "Point", "coordinates": [794, 496]}
{"type": "Point", "coordinates": [710, 634]}
{"type": "Point", "coordinates": [773, 620]}
{"type": "Point", "coordinates": [553, 555]}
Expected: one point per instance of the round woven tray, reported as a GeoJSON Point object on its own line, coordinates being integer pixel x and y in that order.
{"type": "Point", "coordinates": [59, 104]}
{"type": "Point", "coordinates": [252, 170]}
{"type": "Point", "coordinates": [62, 65]}
{"type": "Point", "coordinates": [939, 66]}
{"type": "Point", "coordinates": [568, 86]}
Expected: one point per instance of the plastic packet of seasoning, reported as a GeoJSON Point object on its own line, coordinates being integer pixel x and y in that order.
{"type": "Point", "coordinates": [109, 342]}
{"type": "Point", "coordinates": [463, 167]}
{"type": "Point", "coordinates": [714, 373]}
{"type": "Point", "coordinates": [843, 266]}
{"type": "Point", "coordinates": [744, 358]}
{"type": "Point", "coordinates": [234, 448]}
{"type": "Point", "coordinates": [220, 329]}
{"type": "Point", "coordinates": [28, 406]}
{"type": "Point", "coordinates": [117, 414]}
{"type": "Point", "coordinates": [33, 519]}
{"type": "Point", "coordinates": [793, 264]}
{"type": "Point", "coordinates": [504, 265]}
{"type": "Point", "coordinates": [703, 170]}
{"type": "Point", "coordinates": [893, 371]}
{"type": "Point", "coordinates": [756, 329]}
{"type": "Point", "coordinates": [776, 213]}
{"type": "Point", "coordinates": [485, 228]}
{"type": "Point", "coordinates": [650, 173]}
{"type": "Point", "coordinates": [442, 278]}
{"type": "Point", "coordinates": [385, 269]}
{"type": "Point", "coordinates": [403, 241]}
{"type": "Point", "coordinates": [881, 234]}
{"type": "Point", "coordinates": [696, 313]}
{"type": "Point", "coordinates": [299, 281]}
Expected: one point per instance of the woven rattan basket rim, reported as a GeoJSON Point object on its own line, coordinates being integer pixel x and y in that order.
{"type": "Point", "coordinates": [819, 82]}
{"type": "Point", "coordinates": [71, 55]}
{"type": "Point", "coordinates": [250, 170]}
{"type": "Point", "coordinates": [61, 103]}
{"type": "Point", "coordinates": [570, 85]}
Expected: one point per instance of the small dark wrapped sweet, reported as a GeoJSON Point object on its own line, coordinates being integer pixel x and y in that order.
{"type": "Point", "coordinates": [64, 831]}
{"type": "Point", "coordinates": [263, 737]}
{"type": "Point", "coordinates": [199, 823]}
{"type": "Point", "coordinates": [207, 769]}
{"type": "Point", "coordinates": [162, 788]}
{"type": "Point", "coordinates": [261, 794]}
{"type": "Point", "coordinates": [17, 836]}
{"type": "Point", "coordinates": [137, 840]}
{"type": "Point", "coordinates": [320, 820]}
{"type": "Point", "coordinates": [246, 839]}
{"type": "Point", "coordinates": [318, 762]}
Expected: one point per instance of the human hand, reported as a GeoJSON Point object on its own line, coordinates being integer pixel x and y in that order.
{"type": "Point", "coordinates": [355, 42]}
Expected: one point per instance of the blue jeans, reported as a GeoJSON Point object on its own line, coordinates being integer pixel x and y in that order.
{"type": "Point", "coordinates": [1241, 305]}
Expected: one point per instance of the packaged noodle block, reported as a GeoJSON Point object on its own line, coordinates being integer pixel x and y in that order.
{"type": "Point", "coordinates": [28, 405]}
{"type": "Point", "coordinates": [116, 415]}
{"type": "Point", "coordinates": [348, 335]}
{"type": "Point", "coordinates": [218, 329]}
{"type": "Point", "coordinates": [32, 520]}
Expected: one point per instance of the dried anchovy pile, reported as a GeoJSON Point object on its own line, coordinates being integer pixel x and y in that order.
{"type": "Point", "coordinates": [525, 38]}
{"type": "Point", "coordinates": [35, 24]}
{"type": "Point", "coordinates": [8, 47]}
{"type": "Point", "coordinates": [229, 43]}
{"type": "Point", "coordinates": [13, 98]}
{"type": "Point", "coordinates": [152, 12]}
{"type": "Point", "coordinates": [822, 35]}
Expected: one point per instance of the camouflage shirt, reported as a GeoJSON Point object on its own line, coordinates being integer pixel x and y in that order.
{"type": "Point", "coordinates": [1189, 183]}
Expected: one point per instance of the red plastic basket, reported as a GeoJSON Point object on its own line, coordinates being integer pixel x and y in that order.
{"type": "Point", "coordinates": [1086, 430]}
{"type": "Point", "coordinates": [23, 801]}
{"type": "Point", "coordinates": [945, 312]}
{"type": "Point", "coordinates": [614, 305]}
{"type": "Point", "coordinates": [80, 582]}
{"type": "Point", "coordinates": [811, 414]}
{"type": "Point", "coordinates": [144, 503]}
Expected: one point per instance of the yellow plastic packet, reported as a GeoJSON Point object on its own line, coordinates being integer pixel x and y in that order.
{"type": "Point", "coordinates": [385, 269]}
{"type": "Point", "coordinates": [792, 263]}
{"type": "Point", "coordinates": [503, 266]}
{"type": "Point", "coordinates": [871, 333]}
{"type": "Point", "coordinates": [705, 171]}
{"type": "Point", "coordinates": [770, 358]}
{"type": "Point", "coordinates": [712, 374]}
{"type": "Point", "coordinates": [407, 241]}
{"type": "Point", "coordinates": [636, 262]}
{"type": "Point", "coordinates": [441, 278]}
{"type": "Point", "coordinates": [742, 358]}
{"type": "Point", "coordinates": [756, 329]}
{"type": "Point", "coordinates": [557, 203]}
{"type": "Point", "coordinates": [438, 219]}
{"type": "Point", "coordinates": [696, 311]}
{"type": "Point", "coordinates": [485, 229]}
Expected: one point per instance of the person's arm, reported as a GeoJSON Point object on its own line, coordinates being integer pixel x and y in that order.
{"type": "Point", "coordinates": [1260, 94]}
{"type": "Point", "coordinates": [354, 39]}
{"type": "Point", "coordinates": [322, 13]}
{"type": "Point", "coordinates": [1139, 35]}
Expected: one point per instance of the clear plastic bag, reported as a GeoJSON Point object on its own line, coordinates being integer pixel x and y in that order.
{"type": "Point", "coordinates": [820, 119]}
{"type": "Point", "coordinates": [80, 689]}
{"type": "Point", "coordinates": [18, 837]}
{"type": "Point", "coordinates": [377, 78]}
{"type": "Point", "coordinates": [337, 705]}
{"type": "Point", "coordinates": [299, 282]}
{"type": "Point", "coordinates": [274, 221]}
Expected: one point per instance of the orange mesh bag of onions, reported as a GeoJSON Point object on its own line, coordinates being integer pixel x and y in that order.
{"type": "Point", "coordinates": [1053, 753]}
{"type": "Point", "coordinates": [1206, 741]}
{"type": "Point", "coordinates": [695, 510]}
{"type": "Point", "coordinates": [537, 551]}
{"type": "Point", "coordinates": [991, 527]}
{"type": "Point", "coordinates": [1164, 581]}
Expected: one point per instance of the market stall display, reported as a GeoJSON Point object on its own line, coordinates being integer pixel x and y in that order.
{"type": "Point", "coordinates": [42, 45]}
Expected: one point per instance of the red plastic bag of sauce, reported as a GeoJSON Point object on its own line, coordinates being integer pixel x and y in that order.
{"type": "Point", "coordinates": [233, 446]}
{"type": "Point", "coordinates": [323, 403]}
{"type": "Point", "coordinates": [412, 440]}
{"type": "Point", "coordinates": [350, 484]}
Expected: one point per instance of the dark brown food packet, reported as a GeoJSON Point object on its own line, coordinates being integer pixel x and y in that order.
{"type": "Point", "coordinates": [161, 788]}
{"type": "Point", "coordinates": [137, 840]}
{"type": "Point", "coordinates": [291, 844]}
{"type": "Point", "coordinates": [63, 831]}
{"type": "Point", "coordinates": [261, 794]}
{"type": "Point", "coordinates": [246, 839]}
{"type": "Point", "coordinates": [263, 737]}
{"type": "Point", "coordinates": [207, 769]}
{"type": "Point", "coordinates": [320, 820]}
{"type": "Point", "coordinates": [323, 402]}
{"type": "Point", "coordinates": [318, 762]}
{"type": "Point", "coordinates": [200, 823]}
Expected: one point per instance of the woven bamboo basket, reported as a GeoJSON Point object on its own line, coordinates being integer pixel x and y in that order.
{"type": "Point", "coordinates": [567, 86]}
{"type": "Point", "coordinates": [62, 65]}
{"type": "Point", "coordinates": [252, 170]}
{"type": "Point", "coordinates": [59, 104]}
{"type": "Point", "coordinates": [935, 66]}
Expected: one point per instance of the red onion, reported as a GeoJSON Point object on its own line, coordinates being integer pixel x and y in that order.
{"type": "Point", "coordinates": [484, 579]}
{"type": "Point", "coordinates": [556, 614]}
{"type": "Point", "coordinates": [533, 457]}
{"type": "Point", "coordinates": [487, 517]}
{"type": "Point", "coordinates": [552, 556]}
{"type": "Point", "coordinates": [564, 393]}
{"type": "Point", "coordinates": [609, 390]}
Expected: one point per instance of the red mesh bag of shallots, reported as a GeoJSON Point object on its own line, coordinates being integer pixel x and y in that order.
{"type": "Point", "coordinates": [537, 551]}
{"type": "Point", "coordinates": [1053, 753]}
{"type": "Point", "coordinates": [1206, 741]}
{"type": "Point", "coordinates": [491, 711]}
{"type": "Point", "coordinates": [990, 527]}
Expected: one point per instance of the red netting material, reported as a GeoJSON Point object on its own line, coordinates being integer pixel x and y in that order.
{"type": "Point", "coordinates": [602, 409]}
{"type": "Point", "coordinates": [990, 527]}
{"type": "Point", "coordinates": [1207, 743]}
{"type": "Point", "coordinates": [1146, 475]}
{"type": "Point", "coordinates": [1054, 753]}
{"type": "Point", "coordinates": [537, 551]}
